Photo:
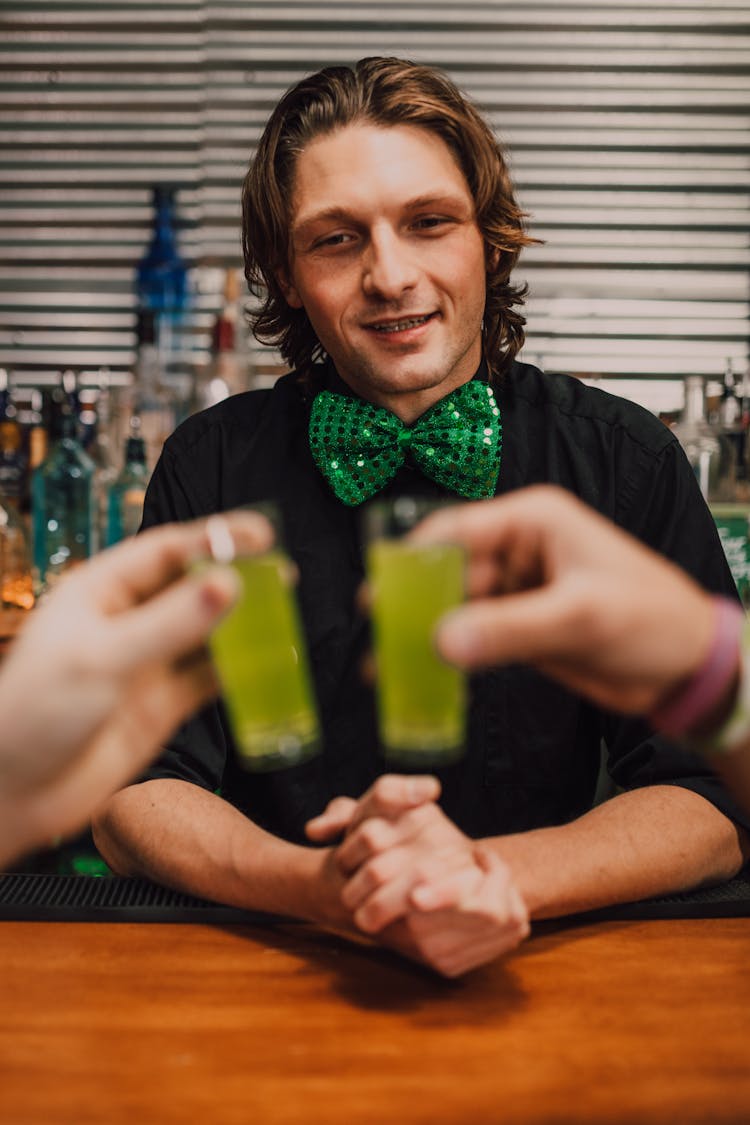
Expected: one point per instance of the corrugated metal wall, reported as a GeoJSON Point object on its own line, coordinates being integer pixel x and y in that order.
{"type": "Point", "coordinates": [628, 122]}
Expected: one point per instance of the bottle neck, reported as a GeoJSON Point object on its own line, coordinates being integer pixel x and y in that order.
{"type": "Point", "coordinates": [135, 452]}
{"type": "Point", "coordinates": [66, 427]}
{"type": "Point", "coordinates": [695, 403]}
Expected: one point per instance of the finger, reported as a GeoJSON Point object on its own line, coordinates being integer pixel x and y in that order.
{"type": "Point", "coordinates": [386, 905]}
{"type": "Point", "coordinates": [454, 954]}
{"type": "Point", "coordinates": [380, 890]}
{"type": "Point", "coordinates": [367, 669]}
{"type": "Point", "coordinates": [528, 627]}
{"type": "Point", "coordinates": [374, 836]}
{"type": "Point", "coordinates": [394, 794]}
{"type": "Point", "coordinates": [332, 821]}
{"type": "Point", "coordinates": [492, 525]}
{"type": "Point", "coordinates": [176, 621]}
{"type": "Point", "coordinates": [371, 877]}
{"type": "Point", "coordinates": [363, 598]}
{"type": "Point", "coordinates": [139, 567]}
{"type": "Point", "coordinates": [447, 893]}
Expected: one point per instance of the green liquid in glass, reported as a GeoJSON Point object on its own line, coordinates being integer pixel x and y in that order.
{"type": "Point", "coordinates": [421, 699]}
{"type": "Point", "coordinates": [262, 665]}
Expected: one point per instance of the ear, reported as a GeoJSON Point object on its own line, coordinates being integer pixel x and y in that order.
{"type": "Point", "coordinates": [492, 255]}
{"type": "Point", "coordinates": [291, 296]}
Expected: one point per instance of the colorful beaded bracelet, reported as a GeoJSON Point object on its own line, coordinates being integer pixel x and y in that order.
{"type": "Point", "coordinates": [734, 732]}
{"type": "Point", "coordinates": [695, 699]}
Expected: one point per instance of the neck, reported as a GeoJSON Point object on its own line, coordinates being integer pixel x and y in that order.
{"type": "Point", "coordinates": [410, 405]}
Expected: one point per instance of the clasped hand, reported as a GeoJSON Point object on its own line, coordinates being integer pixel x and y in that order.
{"type": "Point", "coordinates": [412, 879]}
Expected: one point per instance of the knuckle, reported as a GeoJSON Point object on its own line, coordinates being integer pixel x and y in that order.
{"type": "Point", "coordinates": [379, 870]}
{"type": "Point", "coordinates": [382, 790]}
{"type": "Point", "coordinates": [371, 835]}
{"type": "Point", "coordinates": [373, 916]}
{"type": "Point", "coordinates": [447, 966]}
{"type": "Point", "coordinates": [421, 818]}
{"type": "Point", "coordinates": [339, 806]}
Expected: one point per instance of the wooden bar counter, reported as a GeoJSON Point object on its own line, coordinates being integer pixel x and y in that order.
{"type": "Point", "coordinates": [154, 1024]}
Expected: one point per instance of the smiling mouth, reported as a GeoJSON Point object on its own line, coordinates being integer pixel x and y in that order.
{"type": "Point", "coordinates": [402, 325]}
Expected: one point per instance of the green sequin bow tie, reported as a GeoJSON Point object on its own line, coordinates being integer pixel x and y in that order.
{"type": "Point", "coordinates": [358, 447]}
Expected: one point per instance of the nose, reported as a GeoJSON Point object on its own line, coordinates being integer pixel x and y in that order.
{"type": "Point", "coordinates": [388, 267]}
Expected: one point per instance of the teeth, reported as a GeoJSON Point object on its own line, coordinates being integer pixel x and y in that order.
{"type": "Point", "coordinates": [401, 325]}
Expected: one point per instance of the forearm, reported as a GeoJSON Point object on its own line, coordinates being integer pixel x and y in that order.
{"type": "Point", "coordinates": [187, 838]}
{"type": "Point", "coordinates": [651, 841]}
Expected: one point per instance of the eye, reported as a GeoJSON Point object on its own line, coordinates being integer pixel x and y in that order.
{"type": "Point", "coordinates": [431, 222]}
{"type": "Point", "coordinates": [340, 238]}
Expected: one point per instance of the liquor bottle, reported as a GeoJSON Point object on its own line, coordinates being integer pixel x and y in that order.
{"type": "Point", "coordinates": [16, 584]}
{"type": "Point", "coordinates": [28, 402]}
{"type": "Point", "coordinates": [152, 401]}
{"type": "Point", "coordinates": [731, 405]}
{"type": "Point", "coordinates": [224, 375]}
{"type": "Point", "coordinates": [713, 458]}
{"type": "Point", "coordinates": [732, 423]}
{"type": "Point", "coordinates": [62, 502]}
{"type": "Point", "coordinates": [106, 462]}
{"type": "Point", "coordinates": [16, 579]}
{"type": "Point", "coordinates": [709, 452]}
{"type": "Point", "coordinates": [163, 272]}
{"type": "Point", "coordinates": [162, 287]}
{"type": "Point", "coordinates": [38, 428]}
{"type": "Point", "coordinates": [126, 496]}
{"type": "Point", "coordinates": [12, 458]}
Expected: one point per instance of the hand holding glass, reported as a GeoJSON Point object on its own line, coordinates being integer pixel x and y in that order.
{"type": "Point", "coordinates": [421, 699]}
{"type": "Point", "coordinates": [260, 656]}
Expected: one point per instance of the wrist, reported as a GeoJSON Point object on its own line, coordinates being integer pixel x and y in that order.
{"type": "Point", "coordinates": [698, 704]}
{"type": "Point", "coordinates": [729, 730]}
{"type": "Point", "coordinates": [312, 883]}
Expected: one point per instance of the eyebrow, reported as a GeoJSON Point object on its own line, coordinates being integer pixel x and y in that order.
{"type": "Point", "coordinates": [341, 215]}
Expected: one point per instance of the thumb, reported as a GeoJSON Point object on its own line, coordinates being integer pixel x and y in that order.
{"type": "Point", "coordinates": [525, 627]}
{"type": "Point", "coordinates": [334, 820]}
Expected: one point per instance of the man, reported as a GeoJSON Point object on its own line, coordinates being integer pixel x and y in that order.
{"type": "Point", "coordinates": [379, 218]}
{"type": "Point", "coordinates": [104, 670]}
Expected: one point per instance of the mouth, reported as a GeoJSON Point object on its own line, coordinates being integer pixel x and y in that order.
{"type": "Point", "coordinates": [405, 324]}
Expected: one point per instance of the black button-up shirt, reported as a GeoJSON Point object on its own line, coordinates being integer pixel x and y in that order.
{"type": "Point", "coordinates": [534, 748]}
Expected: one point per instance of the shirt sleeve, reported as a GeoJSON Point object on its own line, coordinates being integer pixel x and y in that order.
{"type": "Point", "coordinates": [662, 505]}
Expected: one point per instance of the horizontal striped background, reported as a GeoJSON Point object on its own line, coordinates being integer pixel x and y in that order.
{"type": "Point", "coordinates": [628, 124]}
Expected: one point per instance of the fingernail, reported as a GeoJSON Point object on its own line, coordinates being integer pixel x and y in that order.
{"type": "Point", "coordinates": [423, 896]}
{"type": "Point", "coordinates": [422, 788]}
{"type": "Point", "coordinates": [454, 640]}
{"type": "Point", "coordinates": [221, 587]}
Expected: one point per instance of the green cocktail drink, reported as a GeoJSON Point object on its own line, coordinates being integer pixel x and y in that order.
{"type": "Point", "coordinates": [421, 699]}
{"type": "Point", "coordinates": [262, 664]}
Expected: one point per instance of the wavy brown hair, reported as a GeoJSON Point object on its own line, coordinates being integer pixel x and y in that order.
{"type": "Point", "coordinates": [386, 92]}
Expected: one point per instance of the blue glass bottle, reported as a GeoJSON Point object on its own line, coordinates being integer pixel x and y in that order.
{"type": "Point", "coordinates": [162, 276]}
{"type": "Point", "coordinates": [62, 503]}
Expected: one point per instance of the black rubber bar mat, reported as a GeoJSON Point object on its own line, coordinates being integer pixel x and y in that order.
{"type": "Point", "coordinates": [726, 900]}
{"type": "Point", "coordinates": [75, 898]}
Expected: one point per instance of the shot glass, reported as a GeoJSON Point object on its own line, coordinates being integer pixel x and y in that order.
{"type": "Point", "coordinates": [421, 700]}
{"type": "Point", "coordinates": [260, 656]}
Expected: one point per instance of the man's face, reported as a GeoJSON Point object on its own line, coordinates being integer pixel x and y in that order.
{"type": "Point", "coordinates": [388, 262]}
